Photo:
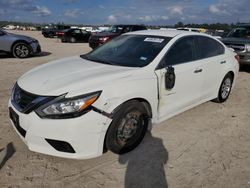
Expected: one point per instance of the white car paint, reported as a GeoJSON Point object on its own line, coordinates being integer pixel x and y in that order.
{"type": "Point", "coordinates": [76, 76]}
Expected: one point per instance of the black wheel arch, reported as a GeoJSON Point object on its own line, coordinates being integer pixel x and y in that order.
{"type": "Point", "coordinates": [232, 74]}
{"type": "Point", "coordinates": [218, 99]}
{"type": "Point", "coordinates": [143, 101]}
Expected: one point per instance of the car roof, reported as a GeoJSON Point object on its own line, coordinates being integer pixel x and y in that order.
{"type": "Point", "coordinates": [129, 25]}
{"type": "Point", "coordinates": [165, 33]}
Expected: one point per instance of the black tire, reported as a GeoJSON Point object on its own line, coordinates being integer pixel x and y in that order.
{"type": "Point", "coordinates": [225, 89]}
{"type": "Point", "coordinates": [72, 40]}
{"type": "Point", "coordinates": [51, 35]}
{"type": "Point", "coordinates": [21, 50]}
{"type": "Point", "coordinates": [128, 128]}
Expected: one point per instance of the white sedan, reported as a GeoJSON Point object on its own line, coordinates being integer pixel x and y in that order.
{"type": "Point", "coordinates": [79, 106]}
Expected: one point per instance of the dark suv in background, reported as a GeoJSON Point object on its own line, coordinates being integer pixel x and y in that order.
{"type": "Point", "coordinates": [73, 35]}
{"type": "Point", "coordinates": [98, 39]}
{"type": "Point", "coordinates": [239, 40]}
{"type": "Point", "coordinates": [52, 31]}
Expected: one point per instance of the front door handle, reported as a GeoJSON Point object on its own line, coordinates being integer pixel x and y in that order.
{"type": "Point", "coordinates": [222, 62]}
{"type": "Point", "coordinates": [198, 71]}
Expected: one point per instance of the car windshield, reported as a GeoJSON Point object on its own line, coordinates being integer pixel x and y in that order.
{"type": "Point", "coordinates": [240, 33]}
{"type": "Point", "coordinates": [129, 50]}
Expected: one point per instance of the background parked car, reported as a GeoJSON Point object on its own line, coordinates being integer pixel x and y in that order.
{"type": "Point", "coordinates": [239, 40]}
{"type": "Point", "coordinates": [98, 39]}
{"type": "Point", "coordinates": [73, 35]}
{"type": "Point", "coordinates": [19, 45]}
{"type": "Point", "coordinates": [51, 31]}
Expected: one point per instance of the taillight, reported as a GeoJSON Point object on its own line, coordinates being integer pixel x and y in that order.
{"type": "Point", "coordinates": [237, 57]}
{"type": "Point", "coordinates": [103, 39]}
{"type": "Point", "coordinates": [59, 33]}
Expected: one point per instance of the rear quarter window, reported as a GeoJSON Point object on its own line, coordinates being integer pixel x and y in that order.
{"type": "Point", "coordinates": [209, 47]}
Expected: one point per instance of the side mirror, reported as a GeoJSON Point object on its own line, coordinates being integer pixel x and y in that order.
{"type": "Point", "coordinates": [169, 78]}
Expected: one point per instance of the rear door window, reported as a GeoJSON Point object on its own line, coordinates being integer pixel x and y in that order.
{"type": "Point", "coordinates": [209, 47]}
{"type": "Point", "coordinates": [84, 32]}
{"type": "Point", "coordinates": [77, 31]}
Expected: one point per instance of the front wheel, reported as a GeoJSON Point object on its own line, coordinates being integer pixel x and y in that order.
{"type": "Point", "coordinates": [21, 50]}
{"type": "Point", "coordinates": [128, 128]}
{"type": "Point", "coordinates": [225, 89]}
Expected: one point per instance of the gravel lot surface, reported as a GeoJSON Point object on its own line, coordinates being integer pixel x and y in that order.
{"type": "Point", "coordinates": [208, 146]}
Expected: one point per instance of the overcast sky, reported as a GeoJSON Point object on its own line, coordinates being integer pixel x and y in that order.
{"type": "Point", "coordinates": [149, 12]}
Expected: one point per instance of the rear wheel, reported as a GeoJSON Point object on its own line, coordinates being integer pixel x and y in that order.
{"type": "Point", "coordinates": [225, 89]}
{"type": "Point", "coordinates": [128, 128]}
{"type": "Point", "coordinates": [72, 40]}
{"type": "Point", "coordinates": [21, 50]}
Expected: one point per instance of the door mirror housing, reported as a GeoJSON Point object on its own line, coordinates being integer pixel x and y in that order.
{"type": "Point", "coordinates": [170, 78]}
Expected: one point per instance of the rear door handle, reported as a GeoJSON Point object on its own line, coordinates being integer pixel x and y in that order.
{"type": "Point", "coordinates": [198, 71]}
{"type": "Point", "coordinates": [222, 62]}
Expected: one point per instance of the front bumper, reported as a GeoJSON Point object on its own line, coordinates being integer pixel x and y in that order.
{"type": "Point", "coordinates": [85, 134]}
{"type": "Point", "coordinates": [36, 48]}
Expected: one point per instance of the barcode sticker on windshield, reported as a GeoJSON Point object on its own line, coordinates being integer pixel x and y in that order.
{"type": "Point", "coordinates": [158, 40]}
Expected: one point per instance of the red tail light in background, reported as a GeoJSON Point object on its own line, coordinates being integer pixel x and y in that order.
{"type": "Point", "coordinates": [60, 33]}
{"type": "Point", "coordinates": [104, 39]}
{"type": "Point", "coordinates": [237, 57]}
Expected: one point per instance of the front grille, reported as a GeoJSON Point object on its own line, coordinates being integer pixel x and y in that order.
{"type": "Point", "coordinates": [22, 98]}
{"type": "Point", "coordinates": [15, 119]}
{"type": "Point", "coordinates": [26, 102]}
{"type": "Point", "coordinates": [236, 47]}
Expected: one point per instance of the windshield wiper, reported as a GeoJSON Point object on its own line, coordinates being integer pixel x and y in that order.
{"type": "Point", "coordinates": [96, 60]}
{"type": "Point", "coordinates": [101, 61]}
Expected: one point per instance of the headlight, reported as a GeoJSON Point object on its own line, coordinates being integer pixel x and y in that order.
{"type": "Point", "coordinates": [248, 47]}
{"type": "Point", "coordinates": [62, 107]}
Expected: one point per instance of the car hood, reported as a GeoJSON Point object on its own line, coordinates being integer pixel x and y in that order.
{"type": "Point", "coordinates": [22, 37]}
{"type": "Point", "coordinates": [235, 40]}
{"type": "Point", "coordinates": [72, 74]}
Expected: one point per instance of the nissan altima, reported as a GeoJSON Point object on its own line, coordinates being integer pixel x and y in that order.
{"type": "Point", "coordinates": [80, 106]}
